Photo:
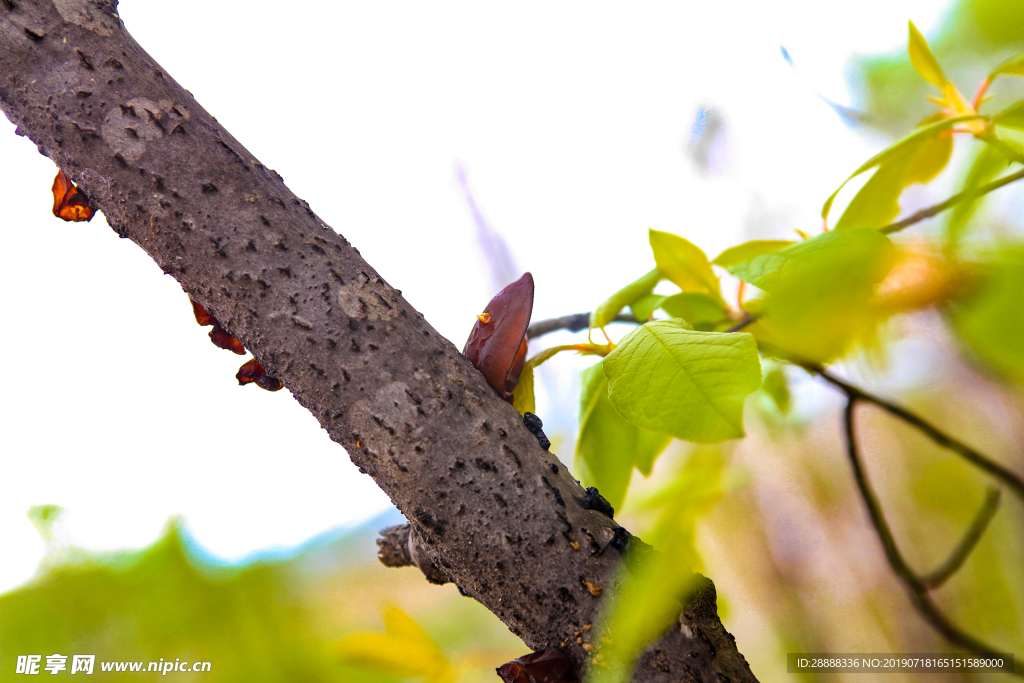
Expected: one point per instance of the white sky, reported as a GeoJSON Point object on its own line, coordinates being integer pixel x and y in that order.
{"type": "Point", "coordinates": [571, 120]}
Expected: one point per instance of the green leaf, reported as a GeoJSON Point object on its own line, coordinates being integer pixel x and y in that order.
{"type": "Point", "coordinates": [43, 518]}
{"type": "Point", "coordinates": [877, 203]}
{"type": "Point", "coordinates": [767, 271]}
{"type": "Point", "coordinates": [634, 291]}
{"type": "Point", "coordinates": [819, 294]}
{"type": "Point", "coordinates": [522, 396]}
{"type": "Point", "coordinates": [694, 307]}
{"type": "Point", "coordinates": [776, 387]}
{"type": "Point", "coordinates": [691, 384]}
{"type": "Point", "coordinates": [987, 165]}
{"type": "Point", "coordinates": [990, 321]}
{"type": "Point", "coordinates": [644, 308]}
{"type": "Point", "coordinates": [1014, 66]}
{"type": "Point", "coordinates": [923, 60]}
{"type": "Point", "coordinates": [748, 250]}
{"type": "Point", "coordinates": [684, 263]}
{"type": "Point", "coordinates": [608, 446]}
{"type": "Point", "coordinates": [898, 148]}
{"type": "Point", "coordinates": [1011, 117]}
{"type": "Point", "coordinates": [650, 592]}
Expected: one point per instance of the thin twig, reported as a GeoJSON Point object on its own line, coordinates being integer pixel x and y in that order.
{"type": "Point", "coordinates": [748, 319]}
{"type": "Point", "coordinates": [951, 202]}
{"type": "Point", "coordinates": [581, 321]}
{"type": "Point", "coordinates": [573, 323]}
{"type": "Point", "coordinates": [1004, 475]}
{"type": "Point", "coordinates": [916, 588]}
{"type": "Point", "coordinates": [941, 574]}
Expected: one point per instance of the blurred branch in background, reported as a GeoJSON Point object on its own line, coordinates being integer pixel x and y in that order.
{"type": "Point", "coordinates": [966, 195]}
{"type": "Point", "coordinates": [915, 585]}
{"type": "Point", "coordinates": [497, 256]}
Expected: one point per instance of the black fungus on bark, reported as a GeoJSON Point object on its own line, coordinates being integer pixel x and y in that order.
{"type": "Point", "coordinates": [536, 427]}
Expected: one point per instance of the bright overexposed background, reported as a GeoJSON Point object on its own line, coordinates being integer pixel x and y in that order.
{"type": "Point", "coordinates": [575, 123]}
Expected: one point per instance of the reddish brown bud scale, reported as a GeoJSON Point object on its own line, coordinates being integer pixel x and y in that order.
{"type": "Point", "coordinates": [70, 203]}
{"type": "Point", "coordinates": [497, 347]}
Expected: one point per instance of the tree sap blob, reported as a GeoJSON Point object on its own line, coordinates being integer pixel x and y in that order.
{"type": "Point", "coordinates": [497, 344]}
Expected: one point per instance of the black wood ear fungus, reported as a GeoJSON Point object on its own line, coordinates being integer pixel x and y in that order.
{"type": "Point", "coordinates": [536, 428]}
{"type": "Point", "coordinates": [593, 500]}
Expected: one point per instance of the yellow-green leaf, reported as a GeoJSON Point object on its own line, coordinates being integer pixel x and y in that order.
{"type": "Point", "coordinates": [684, 263]}
{"type": "Point", "coordinates": [1014, 66]}
{"type": "Point", "coordinates": [522, 396]}
{"type": "Point", "coordinates": [608, 446]}
{"type": "Point", "coordinates": [819, 294]}
{"type": "Point", "coordinates": [700, 310]}
{"type": "Point", "coordinates": [877, 203]}
{"type": "Point", "coordinates": [923, 60]}
{"type": "Point", "coordinates": [990, 321]}
{"type": "Point", "coordinates": [1011, 117]}
{"type": "Point", "coordinates": [899, 148]}
{"type": "Point", "coordinates": [651, 593]}
{"type": "Point", "coordinates": [987, 165]}
{"type": "Point", "coordinates": [403, 650]}
{"type": "Point", "coordinates": [776, 387]}
{"type": "Point", "coordinates": [748, 250]}
{"type": "Point", "coordinates": [644, 308]}
{"type": "Point", "coordinates": [669, 378]}
{"type": "Point", "coordinates": [635, 290]}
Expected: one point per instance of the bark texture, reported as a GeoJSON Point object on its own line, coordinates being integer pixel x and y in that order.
{"type": "Point", "coordinates": [497, 514]}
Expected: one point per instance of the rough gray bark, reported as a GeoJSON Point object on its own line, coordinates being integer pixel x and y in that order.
{"type": "Point", "coordinates": [496, 513]}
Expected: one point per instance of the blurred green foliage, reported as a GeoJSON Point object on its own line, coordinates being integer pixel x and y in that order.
{"type": "Point", "coordinates": [273, 620]}
{"type": "Point", "coordinates": [974, 36]}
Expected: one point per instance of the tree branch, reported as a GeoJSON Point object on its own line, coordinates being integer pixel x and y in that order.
{"type": "Point", "coordinates": [935, 210]}
{"type": "Point", "coordinates": [993, 468]}
{"type": "Point", "coordinates": [574, 323]}
{"type": "Point", "coordinates": [495, 513]}
{"type": "Point", "coordinates": [972, 535]}
{"type": "Point", "coordinates": [914, 585]}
